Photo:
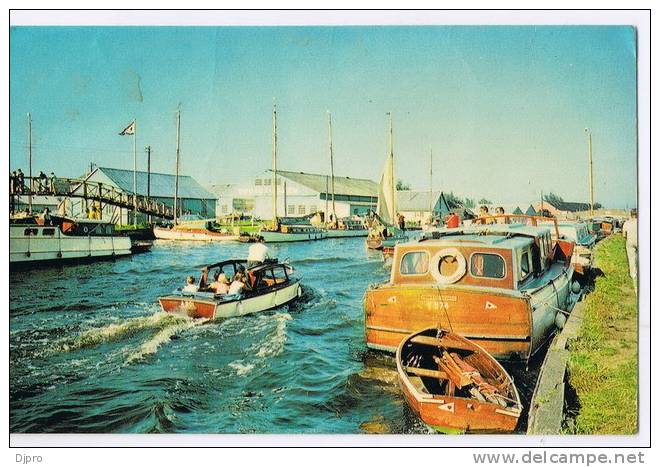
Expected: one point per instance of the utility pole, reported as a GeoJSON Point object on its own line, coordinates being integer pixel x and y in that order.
{"type": "Point", "coordinates": [29, 117]}
{"type": "Point", "coordinates": [148, 149]}
{"type": "Point", "coordinates": [274, 180]}
{"type": "Point", "coordinates": [591, 173]}
{"type": "Point", "coordinates": [176, 178]}
{"type": "Point", "coordinates": [332, 168]}
{"type": "Point", "coordinates": [135, 173]}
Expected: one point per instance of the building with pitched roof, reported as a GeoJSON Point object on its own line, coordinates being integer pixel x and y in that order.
{"type": "Point", "coordinates": [415, 206]}
{"type": "Point", "coordinates": [298, 194]}
{"type": "Point", "coordinates": [193, 198]}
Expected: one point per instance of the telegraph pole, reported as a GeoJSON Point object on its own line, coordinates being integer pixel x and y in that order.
{"type": "Point", "coordinates": [29, 117]}
{"type": "Point", "coordinates": [176, 178]}
{"type": "Point", "coordinates": [591, 173]}
{"type": "Point", "coordinates": [148, 149]}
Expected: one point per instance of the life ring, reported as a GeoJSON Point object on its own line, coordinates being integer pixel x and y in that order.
{"type": "Point", "coordinates": [461, 267]}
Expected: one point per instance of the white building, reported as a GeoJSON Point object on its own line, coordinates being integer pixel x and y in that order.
{"type": "Point", "coordinates": [415, 206]}
{"type": "Point", "coordinates": [298, 194]}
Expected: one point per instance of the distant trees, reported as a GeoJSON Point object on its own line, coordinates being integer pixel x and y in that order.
{"type": "Point", "coordinates": [485, 201]}
{"type": "Point", "coordinates": [553, 199]}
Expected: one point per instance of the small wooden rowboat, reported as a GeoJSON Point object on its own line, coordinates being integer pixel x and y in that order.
{"type": "Point", "coordinates": [454, 386]}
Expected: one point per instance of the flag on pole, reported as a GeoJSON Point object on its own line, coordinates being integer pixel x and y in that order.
{"type": "Point", "coordinates": [129, 130]}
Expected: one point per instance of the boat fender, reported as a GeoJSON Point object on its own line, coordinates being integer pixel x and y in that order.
{"type": "Point", "coordinates": [299, 292]}
{"type": "Point", "coordinates": [461, 267]}
{"type": "Point", "coordinates": [59, 254]}
{"type": "Point", "coordinates": [560, 320]}
{"type": "Point", "coordinates": [86, 229]}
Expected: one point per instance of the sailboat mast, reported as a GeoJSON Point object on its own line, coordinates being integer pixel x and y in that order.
{"type": "Point", "coordinates": [274, 179]}
{"type": "Point", "coordinates": [31, 184]}
{"type": "Point", "coordinates": [332, 167]}
{"type": "Point", "coordinates": [431, 184]}
{"type": "Point", "coordinates": [393, 191]}
{"type": "Point", "coordinates": [176, 178]}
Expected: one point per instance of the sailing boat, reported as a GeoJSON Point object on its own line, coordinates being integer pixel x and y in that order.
{"type": "Point", "coordinates": [278, 231]}
{"type": "Point", "coordinates": [383, 233]}
{"type": "Point", "coordinates": [346, 227]}
{"type": "Point", "coordinates": [190, 227]}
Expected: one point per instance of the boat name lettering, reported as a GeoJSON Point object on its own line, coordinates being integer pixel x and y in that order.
{"type": "Point", "coordinates": [440, 298]}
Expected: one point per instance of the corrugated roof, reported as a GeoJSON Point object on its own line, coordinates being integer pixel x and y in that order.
{"type": "Point", "coordinates": [408, 200]}
{"type": "Point", "coordinates": [343, 185]}
{"type": "Point", "coordinates": [162, 185]}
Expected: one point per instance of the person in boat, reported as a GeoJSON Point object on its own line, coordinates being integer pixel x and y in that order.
{"type": "Point", "coordinates": [237, 284]}
{"type": "Point", "coordinates": [220, 284]}
{"type": "Point", "coordinates": [499, 211]}
{"type": "Point", "coordinates": [257, 253]}
{"type": "Point", "coordinates": [46, 216]}
{"type": "Point", "coordinates": [402, 221]}
{"type": "Point", "coordinates": [483, 213]}
{"type": "Point", "coordinates": [453, 220]}
{"type": "Point", "coordinates": [190, 285]}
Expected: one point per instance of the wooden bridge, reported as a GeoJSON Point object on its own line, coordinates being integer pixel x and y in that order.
{"type": "Point", "coordinates": [89, 191]}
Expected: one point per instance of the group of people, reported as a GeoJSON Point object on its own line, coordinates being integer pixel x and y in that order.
{"type": "Point", "coordinates": [221, 285]}
{"type": "Point", "coordinates": [42, 184]}
{"type": "Point", "coordinates": [257, 254]}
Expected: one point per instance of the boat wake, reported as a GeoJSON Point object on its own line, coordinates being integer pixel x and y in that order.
{"type": "Point", "coordinates": [271, 346]}
{"type": "Point", "coordinates": [164, 335]}
{"type": "Point", "coordinates": [96, 336]}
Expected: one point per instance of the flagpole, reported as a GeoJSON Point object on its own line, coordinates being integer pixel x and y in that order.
{"type": "Point", "coordinates": [134, 173]}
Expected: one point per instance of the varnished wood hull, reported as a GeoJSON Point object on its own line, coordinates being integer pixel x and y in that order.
{"type": "Point", "coordinates": [193, 235]}
{"type": "Point", "coordinates": [200, 306]}
{"type": "Point", "coordinates": [453, 414]}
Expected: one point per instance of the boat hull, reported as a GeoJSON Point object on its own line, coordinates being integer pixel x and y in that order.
{"type": "Point", "coordinates": [193, 235]}
{"type": "Point", "coordinates": [452, 414]}
{"type": "Point", "coordinates": [282, 237]}
{"type": "Point", "coordinates": [339, 233]}
{"type": "Point", "coordinates": [199, 306]}
{"type": "Point", "coordinates": [48, 244]}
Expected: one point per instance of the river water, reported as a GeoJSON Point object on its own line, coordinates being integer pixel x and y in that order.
{"type": "Point", "coordinates": [90, 350]}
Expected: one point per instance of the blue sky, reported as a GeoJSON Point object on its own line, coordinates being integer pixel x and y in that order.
{"type": "Point", "coordinates": [503, 108]}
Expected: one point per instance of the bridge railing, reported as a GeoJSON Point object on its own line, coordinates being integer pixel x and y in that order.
{"type": "Point", "coordinates": [92, 191]}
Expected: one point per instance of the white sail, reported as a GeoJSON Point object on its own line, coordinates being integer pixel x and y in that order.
{"type": "Point", "coordinates": [386, 207]}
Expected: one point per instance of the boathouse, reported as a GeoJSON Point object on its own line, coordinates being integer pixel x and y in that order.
{"type": "Point", "coordinates": [415, 206]}
{"type": "Point", "coordinates": [299, 194]}
{"type": "Point", "coordinates": [193, 198]}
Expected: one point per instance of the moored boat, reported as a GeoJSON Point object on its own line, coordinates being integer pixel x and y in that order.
{"type": "Point", "coordinates": [454, 386]}
{"type": "Point", "coordinates": [505, 286]}
{"type": "Point", "coordinates": [270, 285]}
{"type": "Point", "coordinates": [382, 231]}
{"type": "Point", "coordinates": [60, 239]}
{"type": "Point", "coordinates": [292, 233]}
{"type": "Point", "coordinates": [348, 228]}
{"type": "Point", "coordinates": [196, 229]}
{"type": "Point", "coordinates": [578, 233]}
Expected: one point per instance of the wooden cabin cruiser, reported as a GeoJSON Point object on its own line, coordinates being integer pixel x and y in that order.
{"type": "Point", "coordinates": [272, 285]}
{"type": "Point", "coordinates": [499, 285]}
{"type": "Point", "coordinates": [195, 229]}
{"type": "Point", "coordinates": [348, 228]}
{"type": "Point", "coordinates": [283, 232]}
{"type": "Point", "coordinates": [60, 239]}
{"type": "Point", "coordinates": [454, 386]}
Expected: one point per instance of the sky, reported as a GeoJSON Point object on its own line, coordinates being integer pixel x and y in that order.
{"type": "Point", "coordinates": [502, 108]}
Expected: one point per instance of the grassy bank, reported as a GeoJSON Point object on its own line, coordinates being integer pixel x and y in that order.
{"type": "Point", "coordinates": [603, 360]}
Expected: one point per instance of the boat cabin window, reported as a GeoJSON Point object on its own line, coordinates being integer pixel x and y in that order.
{"type": "Point", "coordinates": [487, 265]}
{"type": "Point", "coordinates": [31, 232]}
{"type": "Point", "coordinates": [525, 267]}
{"type": "Point", "coordinates": [415, 262]}
{"type": "Point", "coordinates": [48, 232]}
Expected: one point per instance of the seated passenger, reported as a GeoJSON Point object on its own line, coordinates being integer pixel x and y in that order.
{"type": "Point", "coordinates": [237, 285]}
{"type": "Point", "coordinates": [220, 283]}
{"type": "Point", "coordinates": [190, 285]}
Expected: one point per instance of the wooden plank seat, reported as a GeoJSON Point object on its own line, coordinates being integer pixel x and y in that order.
{"type": "Point", "coordinates": [426, 372]}
{"type": "Point", "coordinates": [443, 342]}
